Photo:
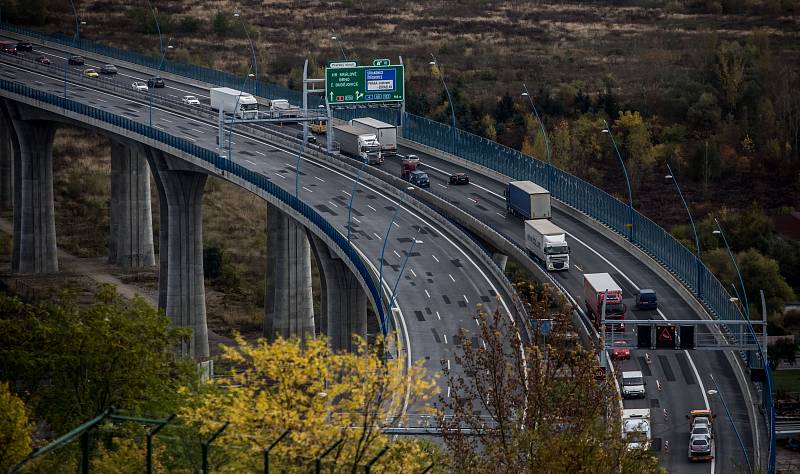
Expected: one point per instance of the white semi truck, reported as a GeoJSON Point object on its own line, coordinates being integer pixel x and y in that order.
{"type": "Point", "coordinates": [359, 144]}
{"type": "Point", "coordinates": [547, 242]}
{"type": "Point", "coordinates": [636, 427]}
{"type": "Point", "coordinates": [238, 103]}
{"type": "Point", "coordinates": [386, 133]}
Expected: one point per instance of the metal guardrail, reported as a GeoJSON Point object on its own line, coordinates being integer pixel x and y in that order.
{"type": "Point", "coordinates": [573, 191]}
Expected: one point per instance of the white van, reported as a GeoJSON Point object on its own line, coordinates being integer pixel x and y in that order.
{"type": "Point", "coordinates": [633, 384]}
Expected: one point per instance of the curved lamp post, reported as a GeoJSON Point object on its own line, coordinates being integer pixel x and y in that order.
{"type": "Point", "coordinates": [158, 30]}
{"type": "Point", "coordinates": [164, 53]}
{"type": "Point", "coordinates": [336, 38]}
{"type": "Point", "coordinates": [449, 99]}
{"type": "Point", "coordinates": [698, 256]}
{"type": "Point", "coordinates": [235, 108]}
{"type": "Point", "coordinates": [736, 266]}
{"type": "Point", "coordinates": [352, 196]}
{"type": "Point", "coordinates": [252, 48]}
{"type": "Point", "coordinates": [78, 23]}
{"type": "Point", "coordinates": [629, 225]}
{"type": "Point", "coordinates": [544, 134]}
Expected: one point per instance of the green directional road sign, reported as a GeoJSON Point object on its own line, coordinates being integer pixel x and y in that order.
{"type": "Point", "coordinates": [364, 84]}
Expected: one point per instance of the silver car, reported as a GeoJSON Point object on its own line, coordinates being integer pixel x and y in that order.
{"type": "Point", "coordinates": [139, 86]}
{"type": "Point", "coordinates": [190, 100]}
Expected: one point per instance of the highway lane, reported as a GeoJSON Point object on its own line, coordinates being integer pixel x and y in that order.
{"type": "Point", "coordinates": [482, 203]}
{"type": "Point", "coordinates": [684, 377]}
{"type": "Point", "coordinates": [441, 283]}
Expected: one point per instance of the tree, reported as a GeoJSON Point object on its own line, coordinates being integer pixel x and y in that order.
{"type": "Point", "coordinates": [782, 350]}
{"type": "Point", "coordinates": [637, 145]}
{"type": "Point", "coordinates": [730, 72]}
{"type": "Point", "coordinates": [15, 430]}
{"type": "Point", "coordinates": [322, 396]}
{"type": "Point", "coordinates": [538, 406]}
{"type": "Point", "coordinates": [762, 273]}
{"type": "Point", "coordinates": [705, 114]}
{"type": "Point", "coordinates": [78, 360]}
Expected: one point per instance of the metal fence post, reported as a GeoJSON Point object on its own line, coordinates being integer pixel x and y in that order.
{"type": "Point", "coordinates": [269, 448]}
{"type": "Point", "coordinates": [206, 445]}
{"type": "Point", "coordinates": [318, 461]}
{"type": "Point", "coordinates": [150, 436]}
{"type": "Point", "coordinates": [372, 461]}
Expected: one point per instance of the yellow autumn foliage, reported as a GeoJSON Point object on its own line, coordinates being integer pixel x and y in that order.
{"type": "Point", "coordinates": [321, 396]}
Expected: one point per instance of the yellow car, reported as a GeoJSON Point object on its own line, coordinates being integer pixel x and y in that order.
{"type": "Point", "coordinates": [91, 73]}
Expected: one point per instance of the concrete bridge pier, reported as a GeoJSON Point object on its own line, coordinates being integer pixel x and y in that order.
{"type": "Point", "coordinates": [34, 214]}
{"type": "Point", "coordinates": [131, 236]}
{"type": "Point", "coordinates": [288, 305]}
{"type": "Point", "coordinates": [6, 165]}
{"type": "Point", "coordinates": [500, 259]}
{"type": "Point", "coordinates": [181, 285]}
{"type": "Point", "coordinates": [344, 302]}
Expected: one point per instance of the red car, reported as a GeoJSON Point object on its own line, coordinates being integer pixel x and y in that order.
{"type": "Point", "coordinates": [620, 351]}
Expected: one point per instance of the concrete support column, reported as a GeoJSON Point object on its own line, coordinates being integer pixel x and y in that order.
{"type": "Point", "coordinates": [6, 165]}
{"type": "Point", "coordinates": [131, 237]}
{"type": "Point", "coordinates": [34, 216]}
{"type": "Point", "coordinates": [288, 305]}
{"type": "Point", "coordinates": [181, 287]}
{"type": "Point", "coordinates": [344, 302]}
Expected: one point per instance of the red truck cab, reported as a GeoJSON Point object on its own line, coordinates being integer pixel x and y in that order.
{"type": "Point", "coordinates": [599, 288]}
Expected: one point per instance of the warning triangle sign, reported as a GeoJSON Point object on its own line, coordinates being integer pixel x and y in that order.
{"type": "Point", "coordinates": [665, 334]}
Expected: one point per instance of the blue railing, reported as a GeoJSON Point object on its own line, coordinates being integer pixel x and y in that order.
{"type": "Point", "coordinates": [220, 163]}
{"type": "Point", "coordinates": [571, 190]}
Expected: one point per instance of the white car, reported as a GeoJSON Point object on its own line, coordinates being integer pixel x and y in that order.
{"type": "Point", "coordinates": [704, 430]}
{"type": "Point", "coordinates": [412, 159]}
{"type": "Point", "coordinates": [139, 87]}
{"type": "Point", "coordinates": [190, 100]}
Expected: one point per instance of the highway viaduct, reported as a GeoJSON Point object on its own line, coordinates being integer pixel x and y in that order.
{"type": "Point", "coordinates": [180, 181]}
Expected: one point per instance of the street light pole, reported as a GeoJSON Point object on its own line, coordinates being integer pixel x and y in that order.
{"type": "Point", "coordinates": [352, 196]}
{"type": "Point", "coordinates": [383, 250]}
{"type": "Point", "coordinates": [339, 42]}
{"type": "Point", "coordinates": [698, 256]}
{"type": "Point", "coordinates": [736, 266]}
{"type": "Point", "coordinates": [252, 48]}
{"type": "Point", "coordinates": [728, 413]}
{"type": "Point", "coordinates": [544, 135]}
{"type": "Point", "coordinates": [629, 225]}
{"type": "Point", "coordinates": [449, 99]}
{"type": "Point", "coordinates": [164, 53]}
{"type": "Point", "coordinates": [77, 35]}
{"type": "Point", "coordinates": [158, 29]}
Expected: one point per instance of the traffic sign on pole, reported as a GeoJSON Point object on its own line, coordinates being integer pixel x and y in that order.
{"type": "Point", "coordinates": [364, 84]}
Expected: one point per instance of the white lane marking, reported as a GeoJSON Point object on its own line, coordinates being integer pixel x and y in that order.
{"type": "Point", "coordinates": [448, 360]}
{"type": "Point", "coordinates": [434, 257]}
{"type": "Point", "coordinates": [451, 277]}
{"type": "Point", "coordinates": [166, 120]}
{"type": "Point", "coordinates": [465, 298]}
{"type": "Point", "coordinates": [577, 267]}
{"type": "Point", "coordinates": [660, 313]}
{"type": "Point", "coordinates": [501, 215]}
{"type": "Point", "coordinates": [437, 316]}
{"type": "Point", "coordinates": [198, 131]}
{"type": "Point", "coordinates": [426, 292]}
{"type": "Point", "coordinates": [398, 226]}
{"type": "Point", "coordinates": [332, 204]}
{"type": "Point", "coordinates": [471, 183]}
{"type": "Point", "coordinates": [412, 272]}
{"type": "Point", "coordinates": [378, 236]}
{"type": "Point", "coordinates": [395, 252]}
{"type": "Point", "coordinates": [356, 219]}
{"type": "Point", "coordinates": [477, 323]}
{"type": "Point", "coordinates": [307, 189]}
{"type": "Point", "coordinates": [187, 137]}
{"type": "Point", "coordinates": [262, 154]}
{"type": "Point", "coordinates": [102, 100]}
{"type": "Point", "coordinates": [346, 192]}
{"type": "Point", "coordinates": [442, 185]}
{"type": "Point", "coordinates": [448, 391]}
{"type": "Point", "coordinates": [369, 206]}
{"type": "Point", "coordinates": [282, 176]}
{"type": "Point", "coordinates": [318, 178]}
{"type": "Point", "coordinates": [159, 127]}
{"type": "Point", "coordinates": [252, 163]}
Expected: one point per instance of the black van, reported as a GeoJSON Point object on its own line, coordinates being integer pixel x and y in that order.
{"type": "Point", "coordinates": [646, 299]}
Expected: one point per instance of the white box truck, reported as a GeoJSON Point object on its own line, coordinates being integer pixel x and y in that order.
{"type": "Point", "coordinates": [636, 427]}
{"type": "Point", "coordinates": [358, 144]}
{"type": "Point", "coordinates": [547, 242]}
{"type": "Point", "coordinates": [527, 200]}
{"type": "Point", "coordinates": [386, 133]}
{"type": "Point", "coordinates": [231, 101]}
